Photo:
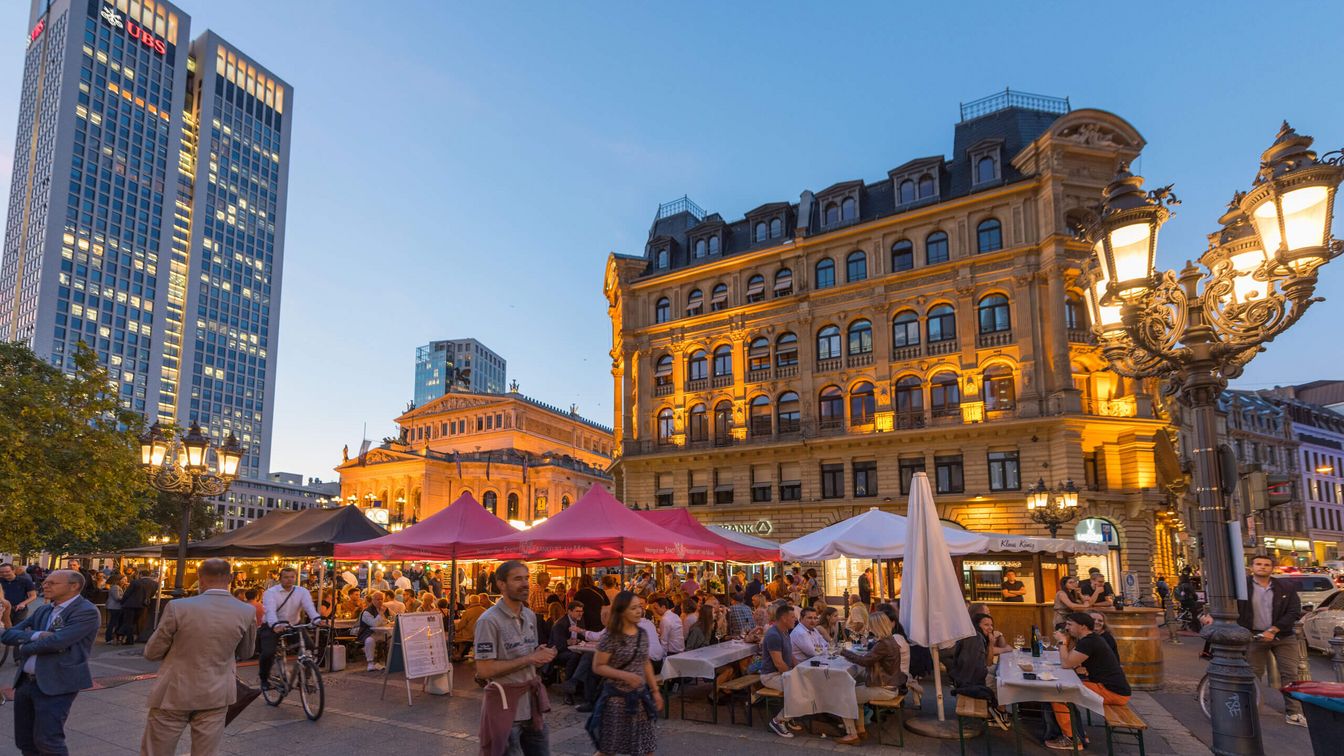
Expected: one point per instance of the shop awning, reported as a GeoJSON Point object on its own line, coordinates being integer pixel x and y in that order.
{"type": "Point", "coordinates": [682, 521]}
{"type": "Point", "coordinates": [438, 537]}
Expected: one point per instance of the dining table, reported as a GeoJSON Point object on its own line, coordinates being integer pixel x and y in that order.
{"type": "Point", "coordinates": [823, 684]}
{"type": "Point", "coordinates": [1053, 683]}
{"type": "Point", "coordinates": [702, 663]}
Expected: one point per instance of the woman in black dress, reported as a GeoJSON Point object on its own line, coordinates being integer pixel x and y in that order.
{"type": "Point", "coordinates": [624, 716]}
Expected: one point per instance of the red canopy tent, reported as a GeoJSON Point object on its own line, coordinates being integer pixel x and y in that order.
{"type": "Point", "coordinates": [462, 524]}
{"type": "Point", "coordinates": [598, 528]}
{"type": "Point", "coordinates": [682, 521]}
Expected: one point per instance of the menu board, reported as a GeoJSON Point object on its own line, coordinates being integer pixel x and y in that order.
{"type": "Point", "coordinates": [419, 646]}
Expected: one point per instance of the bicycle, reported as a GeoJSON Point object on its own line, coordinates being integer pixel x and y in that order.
{"type": "Point", "coordinates": [306, 676]}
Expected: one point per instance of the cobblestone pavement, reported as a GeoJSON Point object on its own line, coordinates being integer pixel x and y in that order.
{"type": "Point", "coordinates": [358, 719]}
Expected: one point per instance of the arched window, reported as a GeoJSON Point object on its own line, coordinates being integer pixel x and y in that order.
{"type": "Point", "coordinates": [993, 314]}
{"type": "Point", "coordinates": [662, 371]}
{"type": "Point", "coordinates": [825, 277]}
{"type": "Point", "coordinates": [1074, 317]}
{"type": "Point", "coordinates": [758, 354]}
{"type": "Point", "coordinates": [786, 350]}
{"type": "Point", "coordinates": [723, 422]}
{"type": "Point", "coordinates": [564, 502]}
{"type": "Point", "coordinates": [513, 507]}
{"type": "Point", "coordinates": [662, 312]}
{"type": "Point", "coordinates": [1000, 394]}
{"type": "Point", "coordinates": [759, 417]}
{"type": "Point", "coordinates": [985, 170]}
{"type": "Point", "coordinates": [832, 214]}
{"type": "Point", "coordinates": [713, 245]}
{"type": "Point", "coordinates": [788, 413]}
{"type": "Point", "coordinates": [828, 343]}
{"type": "Point", "coordinates": [783, 282]}
{"type": "Point", "coordinates": [756, 288]}
{"type": "Point", "coordinates": [723, 361]}
{"type": "Point", "coordinates": [907, 192]}
{"type": "Point", "coordinates": [856, 266]}
{"type": "Point", "coordinates": [718, 298]}
{"type": "Point", "coordinates": [945, 395]}
{"type": "Point", "coordinates": [989, 235]}
{"type": "Point", "coordinates": [849, 209]}
{"type": "Point", "coordinates": [862, 404]}
{"type": "Point", "coordinates": [701, 248]}
{"type": "Point", "coordinates": [697, 423]}
{"type": "Point", "coordinates": [665, 426]}
{"type": "Point", "coordinates": [926, 186]}
{"type": "Point", "coordinates": [935, 248]}
{"type": "Point", "coordinates": [831, 408]}
{"type": "Point", "coordinates": [942, 324]}
{"type": "Point", "coordinates": [902, 256]}
{"type": "Point", "coordinates": [909, 402]}
{"type": "Point", "coordinates": [695, 302]}
{"type": "Point", "coordinates": [697, 369]}
{"type": "Point", "coordinates": [776, 228]}
{"type": "Point", "coordinates": [905, 329]}
{"type": "Point", "coordinates": [860, 337]}
{"type": "Point", "coordinates": [491, 502]}
{"type": "Point", "coordinates": [758, 233]}
{"type": "Point", "coordinates": [660, 258]}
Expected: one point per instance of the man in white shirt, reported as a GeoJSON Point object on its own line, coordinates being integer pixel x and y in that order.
{"type": "Point", "coordinates": [395, 605]}
{"type": "Point", "coordinates": [400, 581]}
{"type": "Point", "coordinates": [669, 627]}
{"type": "Point", "coordinates": [806, 639]}
{"type": "Point", "coordinates": [280, 606]}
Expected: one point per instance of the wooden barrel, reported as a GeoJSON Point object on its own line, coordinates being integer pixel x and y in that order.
{"type": "Point", "coordinates": [1140, 642]}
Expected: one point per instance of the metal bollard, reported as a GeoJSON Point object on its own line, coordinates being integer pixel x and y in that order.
{"type": "Point", "coordinates": [1337, 653]}
{"type": "Point", "coordinates": [1303, 669]}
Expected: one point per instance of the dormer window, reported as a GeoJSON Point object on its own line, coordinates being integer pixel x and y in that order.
{"type": "Point", "coordinates": [701, 248]}
{"type": "Point", "coordinates": [986, 170]}
{"type": "Point", "coordinates": [986, 162]}
{"type": "Point", "coordinates": [832, 214]}
{"type": "Point", "coordinates": [906, 193]}
{"type": "Point", "coordinates": [776, 228]}
{"type": "Point", "coordinates": [849, 209]}
{"type": "Point", "coordinates": [927, 186]}
{"type": "Point", "coordinates": [660, 258]}
{"type": "Point", "coordinates": [713, 245]}
{"type": "Point", "coordinates": [917, 180]}
{"type": "Point", "coordinates": [758, 232]}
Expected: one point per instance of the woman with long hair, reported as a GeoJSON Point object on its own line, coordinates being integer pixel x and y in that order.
{"type": "Point", "coordinates": [623, 719]}
{"type": "Point", "coordinates": [758, 611]}
{"type": "Point", "coordinates": [702, 632]}
{"type": "Point", "coordinates": [1068, 599]}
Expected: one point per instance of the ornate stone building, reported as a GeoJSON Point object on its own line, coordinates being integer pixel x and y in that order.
{"type": "Point", "coordinates": [519, 457]}
{"type": "Point", "coordinates": [792, 367]}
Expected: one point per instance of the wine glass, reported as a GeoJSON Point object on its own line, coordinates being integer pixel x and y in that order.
{"type": "Point", "coordinates": [1019, 642]}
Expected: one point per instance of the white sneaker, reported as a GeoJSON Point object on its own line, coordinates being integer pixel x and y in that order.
{"type": "Point", "coordinates": [374, 667]}
{"type": "Point", "coordinates": [1296, 720]}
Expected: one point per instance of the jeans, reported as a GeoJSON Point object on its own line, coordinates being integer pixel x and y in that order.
{"type": "Point", "coordinates": [1285, 651]}
{"type": "Point", "coordinates": [266, 642]}
{"type": "Point", "coordinates": [39, 719]}
{"type": "Point", "coordinates": [525, 741]}
{"type": "Point", "coordinates": [113, 624]}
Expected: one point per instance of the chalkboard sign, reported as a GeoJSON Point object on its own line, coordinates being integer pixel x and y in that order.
{"type": "Point", "coordinates": [419, 646]}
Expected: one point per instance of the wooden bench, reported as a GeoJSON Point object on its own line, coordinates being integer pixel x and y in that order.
{"type": "Point", "coordinates": [1121, 720]}
{"type": "Point", "coordinates": [739, 686]}
{"type": "Point", "coordinates": [883, 708]}
{"type": "Point", "coordinates": [765, 695]}
{"type": "Point", "coordinates": [972, 709]}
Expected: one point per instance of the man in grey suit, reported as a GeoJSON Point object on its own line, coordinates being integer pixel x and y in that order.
{"type": "Point", "coordinates": [199, 641]}
{"type": "Point", "coordinates": [53, 646]}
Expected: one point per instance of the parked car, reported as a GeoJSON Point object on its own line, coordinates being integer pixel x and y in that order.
{"type": "Point", "coordinates": [1311, 589]}
{"type": "Point", "coordinates": [1319, 624]}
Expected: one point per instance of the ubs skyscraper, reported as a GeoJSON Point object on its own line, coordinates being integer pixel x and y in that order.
{"type": "Point", "coordinates": [146, 213]}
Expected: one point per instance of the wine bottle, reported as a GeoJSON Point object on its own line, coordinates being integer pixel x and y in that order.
{"type": "Point", "coordinates": [1035, 642]}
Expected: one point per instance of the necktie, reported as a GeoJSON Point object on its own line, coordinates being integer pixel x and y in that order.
{"type": "Point", "coordinates": [30, 664]}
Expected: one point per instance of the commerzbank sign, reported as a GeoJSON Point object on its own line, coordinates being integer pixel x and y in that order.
{"type": "Point", "coordinates": [758, 528]}
{"type": "Point", "coordinates": [118, 20]}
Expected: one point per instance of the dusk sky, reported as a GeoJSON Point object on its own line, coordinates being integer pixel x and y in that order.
{"type": "Point", "coordinates": [464, 169]}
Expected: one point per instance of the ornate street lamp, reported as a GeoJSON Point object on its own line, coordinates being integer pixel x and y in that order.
{"type": "Point", "coordinates": [181, 467]}
{"type": "Point", "coordinates": [1258, 277]}
{"type": "Point", "coordinates": [1052, 507]}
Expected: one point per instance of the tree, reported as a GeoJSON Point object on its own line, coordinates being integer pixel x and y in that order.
{"type": "Point", "coordinates": [70, 477]}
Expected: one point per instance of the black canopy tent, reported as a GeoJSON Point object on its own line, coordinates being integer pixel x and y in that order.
{"type": "Point", "coordinates": [306, 533]}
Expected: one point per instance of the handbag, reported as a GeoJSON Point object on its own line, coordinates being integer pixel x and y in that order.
{"type": "Point", "coordinates": [246, 695]}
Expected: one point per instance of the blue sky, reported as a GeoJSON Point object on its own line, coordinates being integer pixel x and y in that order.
{"type": "Point", "coordinates": [463, 169]}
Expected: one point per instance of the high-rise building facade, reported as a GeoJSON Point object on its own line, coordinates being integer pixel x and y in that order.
{"type": "Point", "coordinates": [146, 213]}
{"type": "Point", "coordinates": [441, 366]}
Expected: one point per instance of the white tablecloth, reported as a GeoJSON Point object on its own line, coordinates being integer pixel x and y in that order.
{"type": "Point", "coordinates": [1066, 688]}
{"type": "Point", "coordinates": [701, 662]}
{"type": "Point", "coordinates": [827, 688]}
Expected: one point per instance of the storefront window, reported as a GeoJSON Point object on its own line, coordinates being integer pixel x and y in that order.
{"type": "Point", "coordinates": [1097, 530]}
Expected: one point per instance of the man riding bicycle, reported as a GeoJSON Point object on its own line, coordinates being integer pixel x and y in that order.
{"type": "Point", "coordinates": [280, 605]}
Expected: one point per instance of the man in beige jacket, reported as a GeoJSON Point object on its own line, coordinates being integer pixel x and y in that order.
{"type": "Point", "coordinates": [198, 640]}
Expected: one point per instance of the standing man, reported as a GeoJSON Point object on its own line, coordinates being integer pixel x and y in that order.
{"type": "Point", "coordinates": [53, 647]}
{"type": "Point", "coordinates": [1270, 613]}
{"type": "Point", "coordinates": [19, 591]}
{"type": "Point", "coordinates": [199, 641]}
{"type": "Point", "coordinates": [507, 655]}
{"type": "Point", "coordinates": [866, 588]}
{"type": "Point", "coordinates": [280, 608]}
{"type": "Point", "coordinates": [1013, 589]}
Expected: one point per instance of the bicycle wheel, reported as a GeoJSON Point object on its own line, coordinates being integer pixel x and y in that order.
{"type": "Point", "coordinates": [279, 682]}
{"type": "Point", "coordinates": [311, 691]}
{"type": "Point", "coordinates": [1202, 693]}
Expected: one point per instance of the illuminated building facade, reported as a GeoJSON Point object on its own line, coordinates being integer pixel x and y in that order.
{"type": "Point", "coordinates": [795, 366]}
{"type": "Point", "coordinates": [520, 458]}
{"type": "Point", "coordinates": [162, 250]}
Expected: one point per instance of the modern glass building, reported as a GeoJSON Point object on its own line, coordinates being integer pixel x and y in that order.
{"type": "Point", "coordinates": [439, 363]}
{"type": "Point", "coordinates": [146, 213]}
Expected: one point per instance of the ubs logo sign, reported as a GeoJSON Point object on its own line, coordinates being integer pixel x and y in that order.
{"type": "Point", "coordinates": [114, 18]}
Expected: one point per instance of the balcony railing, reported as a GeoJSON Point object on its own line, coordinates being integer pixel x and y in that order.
{"type": "Point", "coordinates": [786, 371]}
{"type": "Point", "coordinates": [906, 352]}
{"type": "Point", "coordinates": [994, 339]}
{"type": "Point", "coordinates": [773, 430]}
{"type": "Point", "coordinates": [756, 376]}
{"type": "Point", "coordinates": [662, 389]}
{"type": "Point", "coordinates": [909, 420]}
{"type": "Point", "coordinates": [1081, 336]}
{"type": "Point", "coordinates": [859, 360]}
{"type": "Point", "coordinates": [699, 384]}
{"type": "Point", "coordinates": [942, 347]}
{"type": "Point", "coordinates": [828, 364]}
{"type": "Point", "coordinates": [720, 381]}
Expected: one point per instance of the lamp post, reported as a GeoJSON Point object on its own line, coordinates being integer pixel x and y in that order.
{"type": "Point", "coordinates": [1258, 277]}
{"type": "Point", "coordinates": [1052, 507]}
{"type": "Point", "coordinates": [179, 466]}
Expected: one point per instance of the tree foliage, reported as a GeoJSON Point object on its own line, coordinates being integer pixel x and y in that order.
{"type": "Point", "coordinates": [70, 478]}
